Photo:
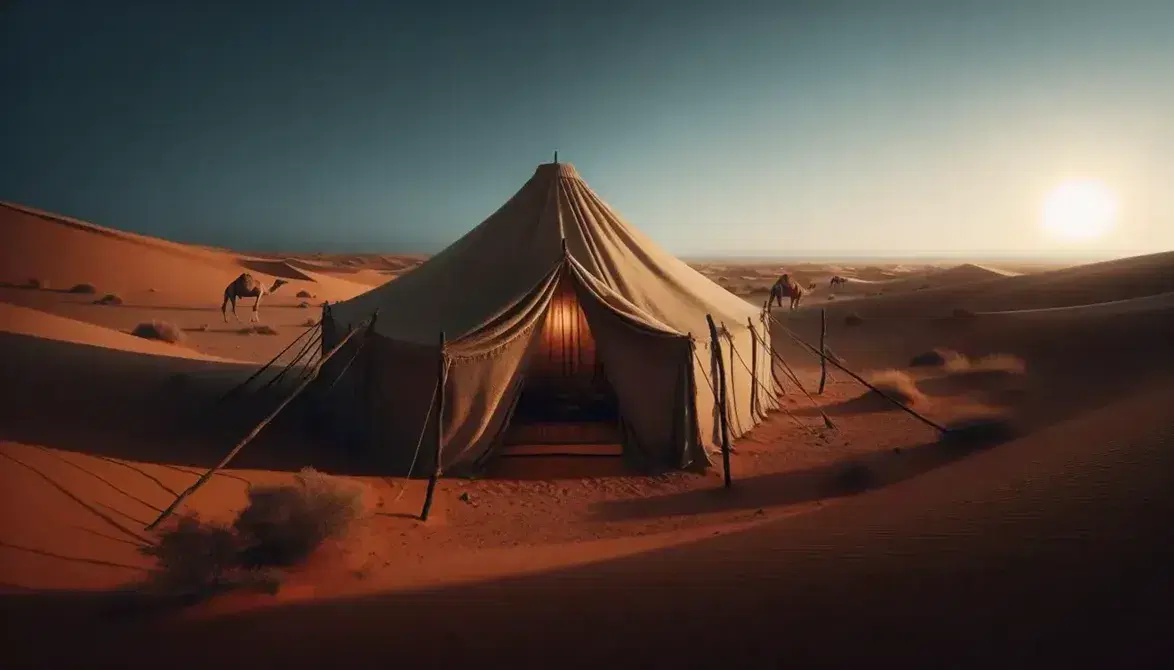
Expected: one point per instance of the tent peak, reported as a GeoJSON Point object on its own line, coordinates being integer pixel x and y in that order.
{"type": "Point", "coordinates": [563, 170]}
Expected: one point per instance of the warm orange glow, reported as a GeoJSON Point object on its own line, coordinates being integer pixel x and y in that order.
{"type": "Point", "coordinates": [566, 351]}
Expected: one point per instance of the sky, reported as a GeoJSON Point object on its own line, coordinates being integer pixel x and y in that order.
{"type": "Point", "coordinates": [817, 128]}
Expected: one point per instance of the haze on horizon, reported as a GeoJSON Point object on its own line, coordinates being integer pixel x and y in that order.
{"type": "Point", "coordinates": [859, 129]}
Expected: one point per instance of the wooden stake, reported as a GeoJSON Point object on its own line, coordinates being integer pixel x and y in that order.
{"type": "Point", "coordinates": [860, 379]}
{"type": "Point", "coordinates": [823, 338]}
{"type": "Point", "coordinates": [252, 434]}
{"type": "Point", "coordinates": [753, 369]}
{"type": "Point", "coordinates": [723, 417]}
{"type": "Point", "coordinates": [441, 377]}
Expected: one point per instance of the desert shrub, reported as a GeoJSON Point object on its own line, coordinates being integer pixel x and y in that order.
{"type": "Point", "coordinates": [831, 298]}
{"type": "Point", "coordinates": [83, 288]}
{"type": "Point", "coordinates": [33, 282]}
{"type": "Point", "coordinates": [936, 358]}
{"type": "Point", "coordinates": [1005, 363]}
{"type": "Point", "coordinates": [310, 323]}
{"type": "Point", "coordinates": [853, 319]}
{"type": "Point", "coordinates": [108, 299]}
{"type": "Point", "coordinates": [304, 294]}
{"type": "Point", "coordinates": [283, 525]}
{"type": "Point", "coordinates": [898, 386]}
{"type": "Point", "coordinates": [260, 329]}
{"type": "Point", "coordinates": [159, 330]}
{"type": "Point", "coordinates": [963, 313]}
{"type": "Point", "coordinates": [303, 305]}
{"type": "Point", "coordinates": [979, 430]}
{"type": "Point", "coordinates": [280, 527]}
{"type": "Point", "coordinates": [194, 556]}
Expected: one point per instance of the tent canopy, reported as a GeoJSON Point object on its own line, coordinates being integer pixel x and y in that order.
{"type": "Point", "coordinates": [487, 292]}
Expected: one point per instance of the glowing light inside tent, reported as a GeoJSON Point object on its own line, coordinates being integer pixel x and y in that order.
{"type": "Point", "coordinates": [566, 348]}
{"type": "Point", "coordinates": [1083, 209]}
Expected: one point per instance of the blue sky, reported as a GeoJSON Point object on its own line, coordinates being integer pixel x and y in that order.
{"type": "Point", "coordinates": [726, 128]}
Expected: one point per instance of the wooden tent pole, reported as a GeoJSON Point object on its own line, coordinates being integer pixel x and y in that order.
{"type": "Point", "coordinates": [754, 402]}
{"type": "Point", "coordinates": [252, 434]}
{"type": "Point", "coordinates": [900, 405]}
{"type": "Point", "coordinates": [441, 377]}
{"type": "Point", "coordinates": [722, 409]}
{"type": "Point", "coordinates": [265, 367]}
{"type": "Point", "coordinates": [823, 347]}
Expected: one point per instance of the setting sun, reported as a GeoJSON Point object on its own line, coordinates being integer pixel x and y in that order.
{"type": "Point", "coordinates": [1080, 210]}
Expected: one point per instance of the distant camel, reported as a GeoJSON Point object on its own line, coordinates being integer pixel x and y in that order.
{"type": "Point", "coordinates": [837, 280]}
{"type": "Point", "coordinates": [246, 286]}
{"type": "Point", "coordinates": [785, 286]}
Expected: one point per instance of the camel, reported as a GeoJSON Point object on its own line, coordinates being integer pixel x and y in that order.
{"type": "Point", "coordinates": [246, 286]}
{"type": "Point", "coordinates": [837, 280]}
{"type": "Point", "coordinates": [785, 286]}
{"type": "Point", "coordinates": [811, 286]}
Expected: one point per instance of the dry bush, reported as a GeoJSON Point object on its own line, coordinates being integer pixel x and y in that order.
{"type": "Point", "coordinates": [108, 299]}
{"type": "Point", "coordinates": [33, 282]}
{"type": "Point", "coordinates": [1005, 363]}
{"type": "Point", "coordinates": [304, 294]}
{"type": "Point", "coordinates": [853, 319]}
{"type": "Point", "coordinates": [260, 329]}
{"type": "Point", "coordinates": [83, 288]}
{"type": "Point", "coordinates": [963, 313]}
{"type": "Point", "coordinates": [936, 358]}
{"type": "Point", "coordinates": [897, 385]}
{"type": "Point", "coordinates": [159, 330]}
{"type": "Point", "coordinates": [281, 527]}
{"type": "Point", "coordinates": [979, 430]}
{"type": "Point", "coordinates": [831, 298]}
{"type": "Point", "coordinates": [303, 305]}
{"type": "Point", "coordinates": [193, 557]}
{"type": "Point", "coordinates": [308, 323]}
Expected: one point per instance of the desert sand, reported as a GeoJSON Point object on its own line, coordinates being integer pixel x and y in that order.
{"type": "Point", "coordinates": [872, 542]}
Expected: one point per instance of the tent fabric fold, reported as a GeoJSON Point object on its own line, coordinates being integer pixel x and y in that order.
{"type": "Point", "coordinates": [489, 293]}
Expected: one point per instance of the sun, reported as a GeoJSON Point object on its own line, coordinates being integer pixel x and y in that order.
{"type": "Point", "coordinates": [1080, 209]}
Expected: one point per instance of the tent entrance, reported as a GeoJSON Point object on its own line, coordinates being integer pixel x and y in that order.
{"type": "Point", "coordinates": [566, 406]}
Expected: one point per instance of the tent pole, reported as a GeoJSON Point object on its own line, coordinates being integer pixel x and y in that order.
{"type": "Point", "coordinates": [754, 403]}
{"type": "Point", "coordinates": [441, 375]}
{"type": "Point", "coordinates": [823, 348]}
{"type": "Point", "coordinates": [722, 409]}
{"type": "Point", "coordinates": [253, 433]}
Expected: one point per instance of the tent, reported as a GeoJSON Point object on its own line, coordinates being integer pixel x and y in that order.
{"type": "Point", "coordinates": [554, 291]}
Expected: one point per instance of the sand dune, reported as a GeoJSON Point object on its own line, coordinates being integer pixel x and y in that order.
{"type": "Point", "coordinates": [1081, 285]}
{"type": "Point", "coordinates": [61, 252]}
{"type": "Point", "coordinates": [1049, 547]}
{"type": "Point", "coordinates": [25, 321]}
{"type": "Point", "coordinates": [1052, 548]}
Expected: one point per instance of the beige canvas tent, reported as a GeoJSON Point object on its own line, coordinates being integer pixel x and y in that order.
{"type": "Point", "coordinates": [552, 302]}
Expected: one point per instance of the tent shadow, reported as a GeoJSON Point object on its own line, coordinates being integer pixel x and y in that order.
{"type": "Point", "coordinates": [867, 403]}
{"type": "Point", "coordinates": [139, 407]}
{"type": "Point", "coordinates": [847, 477]}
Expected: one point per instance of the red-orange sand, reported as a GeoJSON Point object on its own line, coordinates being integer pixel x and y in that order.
{"type": "Point", "coordinates": [1054, 546]}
